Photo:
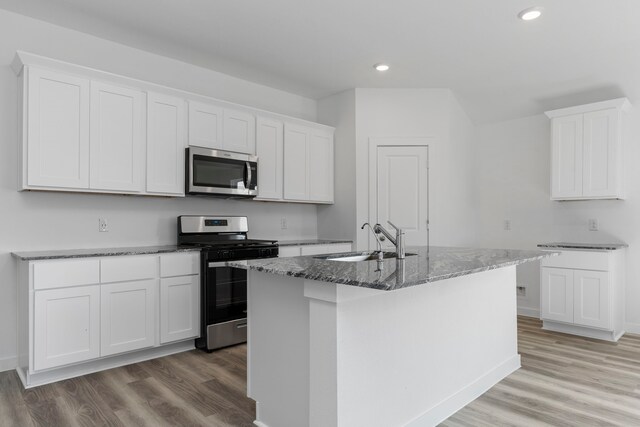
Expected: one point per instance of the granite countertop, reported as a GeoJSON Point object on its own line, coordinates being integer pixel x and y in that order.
{"type": "Point", "coordinates": [437, 263]}
{"type": "Point", "coordinates": [85, 253]}
{"type": "Point", "coordinates": [585, 246]}
{"type": "Point", "coordinates": [311, 242]}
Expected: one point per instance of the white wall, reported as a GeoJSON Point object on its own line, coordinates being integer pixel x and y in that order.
{"type": "Point", "coordinates": [338, 221]}
{"type": "Point", "coordinates": [33, 220]}
{"type": "Point", "coordinates": [362, 114]}
{"type": "Point", "coordinates": [421, 113]}
{"type": "Point", "coordinates": [512, 182]}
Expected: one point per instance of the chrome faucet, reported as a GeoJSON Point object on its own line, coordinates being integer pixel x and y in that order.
{"type": "Point", "coordinates": [398, 241]}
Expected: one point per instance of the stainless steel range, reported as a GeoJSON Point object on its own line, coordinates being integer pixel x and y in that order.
{"type": "Point", "coordinates": [223, 289]}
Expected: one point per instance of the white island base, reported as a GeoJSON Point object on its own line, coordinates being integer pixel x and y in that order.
{"type": "Point", "coordinates": [324, 354]}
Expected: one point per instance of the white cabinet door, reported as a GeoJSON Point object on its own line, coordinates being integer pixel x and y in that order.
{"type": "Point", "coordinates": [600, 163]}
{"type": "Point", "coordinates": [566, 156]}
{"type": "Point", "coordinates": [591, 299]}
{"type": "Point", "coordinates": [205, 125]}
{"type": "Point", "coordinates": [127, 316]}
{"type": "Point", "coordinates": [239, 131]}
{"type": "Point", "coordinates": [296, 176]}
{"type": "Point", "coordinates": [179, 308]}
{"type": "Point", "coordinates": [270, 152]}
{"type": "Point", "coordinates": [66, 326]}
{"type": "Point", "coordinates": [557, 294]}
{"type": "Point", "coordinates": [321, 166]}
{"type": "Point", "coordinates": [57, 130]}
{"type": "Point", "coordinates": [117, 155]}
{"type": "Point", "coordinates": [166, 143]}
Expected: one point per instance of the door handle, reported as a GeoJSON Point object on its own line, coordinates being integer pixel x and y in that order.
{"type": "Point", "coordinates": [247, 184]}
{"type": "Point", "coordinates": [243, 325]}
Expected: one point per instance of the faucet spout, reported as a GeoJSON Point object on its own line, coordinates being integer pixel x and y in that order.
{"type": "Point", "coordinates": [398, 241]}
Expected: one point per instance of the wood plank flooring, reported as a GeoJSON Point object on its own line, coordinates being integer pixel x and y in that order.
{"type": "Point", "coordinates": [187, 389]}
{"type": "Point", "coordinates": [564, 381]}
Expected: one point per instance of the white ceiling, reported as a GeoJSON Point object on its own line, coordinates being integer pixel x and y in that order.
{"type": "Point", "coordinates": [498, 66]}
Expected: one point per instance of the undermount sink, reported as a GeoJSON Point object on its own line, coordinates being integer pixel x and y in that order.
{"type": "Point", "coordinates": [367, 256]}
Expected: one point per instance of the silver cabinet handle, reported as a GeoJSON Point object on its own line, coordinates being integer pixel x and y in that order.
{"type": "Point", "coordinates": [217, 264]}
{"type": "Point", "coordinates": [244, 325]}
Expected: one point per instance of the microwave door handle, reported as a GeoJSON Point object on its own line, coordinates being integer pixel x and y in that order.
{"type": "Point", "coordinates": [247, 184]}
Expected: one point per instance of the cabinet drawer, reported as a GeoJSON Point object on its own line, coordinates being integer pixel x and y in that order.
{"type": "Point", "coordinates": [60, 274]}
{"type": "Point", "coordinates": [582, 260]}
{"type": "Point", "coordinates": [121, 269]}
{"type": "Point", "coordinates": [180, 264]}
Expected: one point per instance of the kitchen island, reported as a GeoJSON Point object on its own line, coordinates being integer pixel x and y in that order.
{"type": "Point", "coordinates": [380, 343]}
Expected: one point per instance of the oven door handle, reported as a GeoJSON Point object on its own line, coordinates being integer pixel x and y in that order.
{"type": "Point", "coordinates": [247, 183]}
{"type": "Point", "coordinates": [217, 264]}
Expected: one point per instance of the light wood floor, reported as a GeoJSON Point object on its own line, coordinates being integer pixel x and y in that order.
{"type": "Point", "coordinates": [564, 381]}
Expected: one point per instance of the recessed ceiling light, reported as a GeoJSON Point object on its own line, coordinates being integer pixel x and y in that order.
{"type": "Point", "coordinates": [530, 14]}
{"type": "Point", "coordinates": [381, 67]}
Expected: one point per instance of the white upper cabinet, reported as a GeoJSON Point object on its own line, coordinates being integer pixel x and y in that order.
{"type": "Point", "coordinates": [116, 139]}
{"type": "Point", "coordinates": [56, 130]}
{"type": "Point", "coordinates": [239, 131]}
{"type": "Point", "coordinates": [296, 168]}
{"type": "Point", "coordinates": [586, 151]}
{"type": "Point", "coordinates": [85, 130]}
{"type": "Point", "coordinates": [270, 152]}
{"type": "Point", "coordinates": [205, 125]}
{"type": "Point", "coordinates": [308, 164]}
{"type": "Point", "coordinates": [166, 143]}
{"type": "Point", "coordinates": [321, 166]}
{"type": "Point", "coordinates": [601, 158]}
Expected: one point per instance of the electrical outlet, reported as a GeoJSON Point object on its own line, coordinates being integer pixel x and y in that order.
{"type": "Point", "coordinates": [593, 225]}
{"type": "Point", "coordinates": [103, 227]}
{"type": "Point", "coordinates": [507, 225]}
{"type": "Point", "coordinates": [521, 291]}
{"type": "Point", "coordinates": [283, 223]}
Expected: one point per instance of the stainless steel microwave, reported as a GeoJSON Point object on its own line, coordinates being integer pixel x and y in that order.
{"type": "Point", "coordinates": [221, 173]}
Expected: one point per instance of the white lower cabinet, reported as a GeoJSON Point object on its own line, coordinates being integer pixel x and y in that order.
{"type": "Point", "coordinates": [179, 308]}
{"type": "Point", "coordinates": [582, 292]}
{"type": "Point", "coordinates": [127, 316]}
{"type": "Point", "coordinates": [66, 326]}
{"type": "Point", "coordinates": [95, 313]}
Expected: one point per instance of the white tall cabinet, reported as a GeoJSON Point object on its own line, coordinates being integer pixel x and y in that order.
{"type": "Point", "coordinates": [586, 151]}
{"type": "Point", "coordinates": [582, 293]}
{"type": "Point", "coordinates": [83, 315]}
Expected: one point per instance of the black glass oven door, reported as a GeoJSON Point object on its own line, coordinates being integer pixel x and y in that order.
{"type": "Point", "coordinates": [226, 293]}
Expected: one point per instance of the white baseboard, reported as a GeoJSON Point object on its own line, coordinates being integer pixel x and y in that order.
{"type": "Point", "coordinates": [8, 363]}
{"type": "Point", "coordinates": [58, 374]}
{"type": "Point", "coordinates": [459, 400]}
{"type": "Point", "coordinates": [529, 312]}
{"type": "Point", "coordinates": [632, 328]}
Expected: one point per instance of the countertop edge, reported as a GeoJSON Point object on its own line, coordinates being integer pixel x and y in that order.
{"type": "Point", "coordinates": [312, 242]}
{"type": "Point", "coordinates": [385, 287]}
{"type": "Point", "coordinates": [102, 252]}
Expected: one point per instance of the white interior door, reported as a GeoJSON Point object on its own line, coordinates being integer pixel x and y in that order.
{"type": "Point", "coordinates": [401, 187]}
